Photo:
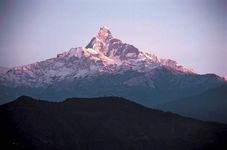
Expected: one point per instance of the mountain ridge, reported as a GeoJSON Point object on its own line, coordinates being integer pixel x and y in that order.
{"type": "Point", "coordinates": [210, 105]}
{"type": "Point", "coordinates": [102, 123]}
{"type": "Point", "coordinates": [103, 53]}
{"type": "Point", "coordinates": [105, 67]}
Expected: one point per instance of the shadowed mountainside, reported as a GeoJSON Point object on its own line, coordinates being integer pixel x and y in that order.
{"type": "Point", "coordinates": [210, 105]}
{"type": "Point", "coordinates": [102, 123]}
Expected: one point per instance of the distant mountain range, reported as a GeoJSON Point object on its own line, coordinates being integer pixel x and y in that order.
{"type": "Point", "coordinates": [106, 67]}
{"type": "Point", "coordinates": [209, 105]}
{"type": "Point", "coordinates": [100, 124]}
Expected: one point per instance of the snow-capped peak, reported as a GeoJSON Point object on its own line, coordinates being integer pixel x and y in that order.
{"type": "Point", "coordinates": [104, 34]}
{"type": "Point", "coordinates": [90, 53]}
{"type": "Point", "coordinates": [100, 41]}
{"type": "Point", "coordinates": [123, 53]}
{"type": "Point", "coordinates": [112, 47]}
{"type": "Point", "coordinates": [104, 53]}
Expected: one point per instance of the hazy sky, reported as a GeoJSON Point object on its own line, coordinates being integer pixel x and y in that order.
{"type": "Point", "coordinates": [192, 32]}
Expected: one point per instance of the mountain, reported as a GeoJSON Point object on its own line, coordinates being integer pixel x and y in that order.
{"type": "Point", "coordinates": [3, 70]}
{"type": "Point", "coordinates": [210, 105]}
{"type": "Point", "coordinates": [102, 123]}
{"type": "Point", "coordinates": [106, 67]}
{"type": "Point", "coordinates": [102, 54]}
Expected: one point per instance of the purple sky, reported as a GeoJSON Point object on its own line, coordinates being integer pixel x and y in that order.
{"type": "Point", "coordinates": [192, 32]}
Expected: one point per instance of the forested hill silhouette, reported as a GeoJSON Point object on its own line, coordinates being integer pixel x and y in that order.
{"type": "Point", "coordinates": [105, 123]}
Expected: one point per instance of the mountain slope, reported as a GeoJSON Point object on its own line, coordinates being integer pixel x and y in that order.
{"type": "Point", "coordinates": [3, 70]}
{"type": "Point", "coordinates": [158, 86]}
{"type": "Point", "coordinates": [105, 67]}
{"type": "Point", "coordinates": [102, 123]}
{"type": "Point", "coordinates": [210, 105]}
{"type": "Point", "coordinates": [102, 54]}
